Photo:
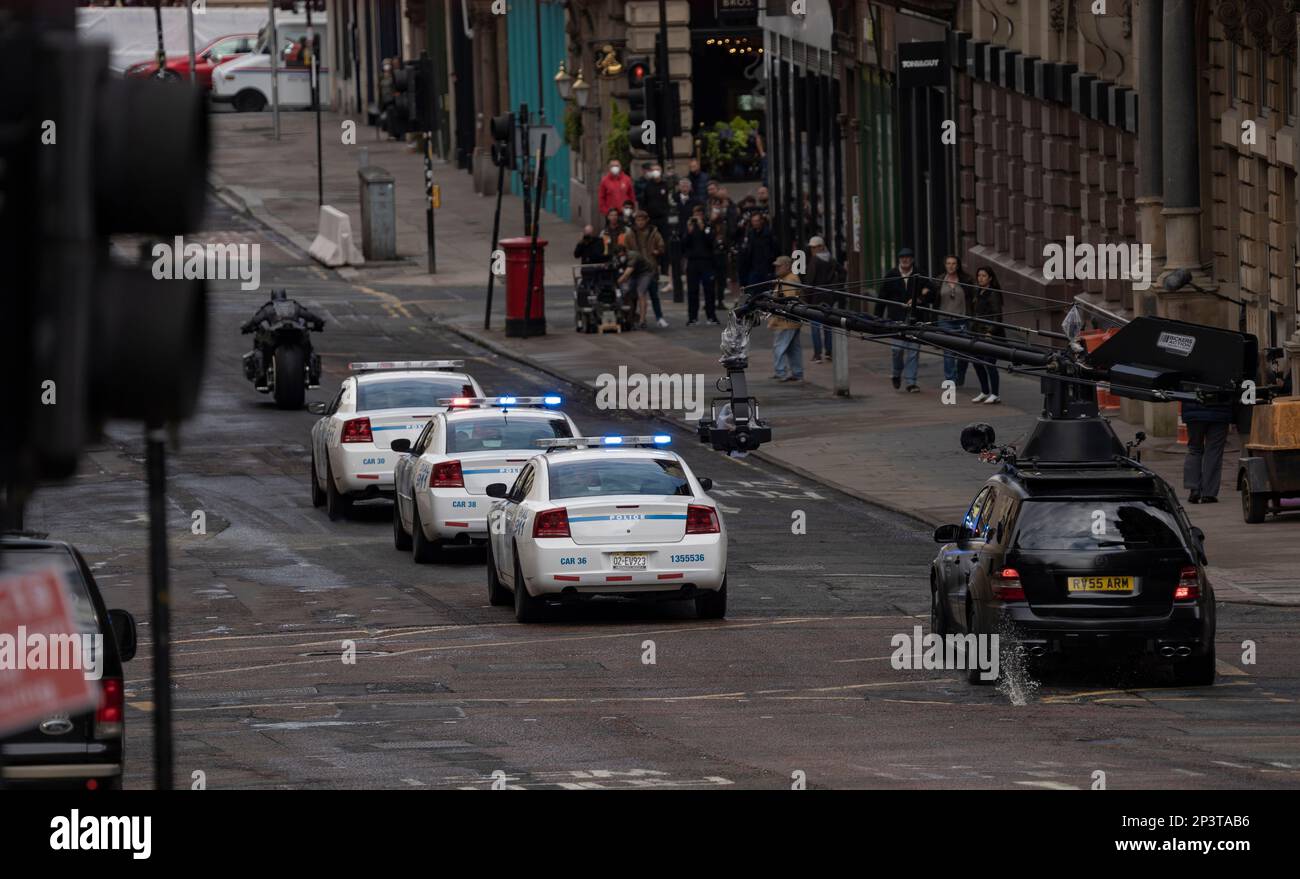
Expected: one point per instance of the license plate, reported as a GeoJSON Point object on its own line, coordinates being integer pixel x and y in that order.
{"type": "Point", "coordinates": [1100, 584]}
{"type": "Point", "coordinates": [629, 560]}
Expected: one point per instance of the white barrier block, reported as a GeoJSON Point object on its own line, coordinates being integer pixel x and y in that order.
{"type": "Point", "coordinates": [334, 245]}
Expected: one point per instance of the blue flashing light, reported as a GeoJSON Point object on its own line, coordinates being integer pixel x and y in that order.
{"type": "Point", "coordinates": [551, 400]}
{"type": "Point", "coordinates": [613, 440]}
{"type": "Point", "coordinates": [662, 439]}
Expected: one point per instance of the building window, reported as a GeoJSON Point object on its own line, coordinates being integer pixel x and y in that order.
{"type": "Point", "coordinates": [1233, 49]}
{"type": "Point", "coordinates": [1261, 81]}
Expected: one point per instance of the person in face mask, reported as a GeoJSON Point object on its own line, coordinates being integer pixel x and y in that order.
{"type": "Point", "coordinates": [615, 188]}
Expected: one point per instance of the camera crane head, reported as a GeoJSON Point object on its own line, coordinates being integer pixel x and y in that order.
{"type": "Point", "coordinates": [1150, 358]}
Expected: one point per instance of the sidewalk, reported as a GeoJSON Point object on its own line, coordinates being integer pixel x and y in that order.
{"type": "Point", "coordinates": [894, 449]}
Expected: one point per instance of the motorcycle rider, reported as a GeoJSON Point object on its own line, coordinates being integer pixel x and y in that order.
{"type": "Point", "coordinates": [278, 308]}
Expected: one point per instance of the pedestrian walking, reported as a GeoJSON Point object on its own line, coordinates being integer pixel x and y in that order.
{"type": "Point", "coordinates": [698, 247]}
{"type": "Point", "coordinates": [902, 291]}
{"type": "Point", "coordinates": [956, 289]}
{"type": "Point", "coordinates": [787, 354]}
{"type": "Point", "coordinates": [615, 188]}
{"type": "Point", "coordinates": [825, 273]}
{"type": "Point", "coordinates": [986, 318]}
{"type": "Point", "coordinates": [1207, 434]}
{"type": "Point", "coordinates": [646, 240]}
{"type": "Point", "coordinates": [699, 180]}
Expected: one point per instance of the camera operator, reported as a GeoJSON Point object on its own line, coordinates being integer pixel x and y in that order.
{"type": "Point", "coordinates": [591, 248]}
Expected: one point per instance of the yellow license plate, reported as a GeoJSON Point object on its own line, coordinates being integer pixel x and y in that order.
{"type": "Point", "coordinates": [1100, 584]}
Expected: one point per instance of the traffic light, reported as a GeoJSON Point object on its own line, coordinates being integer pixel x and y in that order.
{"type": "Point", "coordinates": [505, 141]}
{"type": "Point", "coordinates": [641, 96]}
{"type": "Point", "coordinates": [87, 337]}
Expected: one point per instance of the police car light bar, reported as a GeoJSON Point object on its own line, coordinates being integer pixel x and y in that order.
{"type": "Point", "coordinates": [390, 365]}
{"type": "Point", "coordinates": [505, 402]}
{"type": "Point", "coordinates": [586, 442]}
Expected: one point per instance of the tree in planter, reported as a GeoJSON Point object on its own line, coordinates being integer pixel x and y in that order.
{"type": "Point", "coordinates": [617, 145]}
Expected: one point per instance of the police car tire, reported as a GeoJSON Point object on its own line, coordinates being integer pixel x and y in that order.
{"type": "Point", "coordinates": [336, 503]}
{"type": "Point", "coordinates": [317, 496]}
{"type": "Point", "coordinates": [712, 605]}
{"type": "Point", "coordinates": [423, 550]}
{"type": "Point", "coordinates": [401, 540]}
{"type": "Point", "coordinates": [498, 595]}
{"type": "Point", "coordinates": [250, 101]}
{"type": "Point", "coordinates": [527, 608]}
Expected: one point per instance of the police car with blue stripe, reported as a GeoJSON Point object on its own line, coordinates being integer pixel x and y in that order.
{"type": "Point", "coordinates": [441, 478]}
{"type": "Point", "coordinates": [351, 445]}
{"type": "Point", "coordinates": [592, 517]}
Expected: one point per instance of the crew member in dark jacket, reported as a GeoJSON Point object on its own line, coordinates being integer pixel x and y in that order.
{"type": "Point", "coordinates": [591, 248]}
{"type": "Point", "coordinates": [1207, 433]}
{"type": "Point", "coordinates": [903, 288]}
{"type": "Point", "coordinates": [758, 252]}
{"type": "Point", "coordinates": [698, 246]}
{"type": "Point", "coordinates": [986, 317]}
{"type": "Point", "coordinates": [823, 271]}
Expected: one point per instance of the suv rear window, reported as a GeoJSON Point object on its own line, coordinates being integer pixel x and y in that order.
{"type": "Point", "coordinates": [487, 434]}
{"type": "Point", "coordinates": [407, 393]}
{"type": "Point", "coordinates": [1099, 524]}
{"type": "Point", "coordinates": [594, 478]}
{"type": "Point", "coordinates": [18, 560]}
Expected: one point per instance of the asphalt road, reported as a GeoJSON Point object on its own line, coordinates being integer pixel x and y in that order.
{"type": "Point", "coordinates": [448, 692]}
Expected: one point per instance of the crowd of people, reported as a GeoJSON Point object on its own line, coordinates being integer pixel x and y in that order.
{"type": "Point", "coordinates": [686, 235]}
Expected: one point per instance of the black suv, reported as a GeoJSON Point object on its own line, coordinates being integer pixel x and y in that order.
{"type": "Point", "coordinates": [82, 751]}
{"type": "Point", "coordinates": [1079, 558]}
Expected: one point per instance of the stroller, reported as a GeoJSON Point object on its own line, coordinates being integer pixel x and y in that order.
{"type": "Point", "coordinates": [598, 303]}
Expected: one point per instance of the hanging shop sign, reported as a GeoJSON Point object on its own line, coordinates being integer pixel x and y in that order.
{"type": "Point", "coordinates": [922, 64]}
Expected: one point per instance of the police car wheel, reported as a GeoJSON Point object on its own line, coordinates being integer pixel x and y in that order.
{"type": "Point", "coordinates": [527, 608]}
{"type": "Point", "coordinates": [250, 101]}
{"type": "Point", "coordinates": [938, 618]}
{"type": "Point", "coordinates": [401, 540]}
{"type": "Point", "coordinates": [337, 504]}
{"type": "Point", "coordinates": [423, 550]}
{"type": "Point", "coordinates": [712, 605]}
{"type": "Point", "coordinates": [317, 496]}
{"type": "Point", "coordinates": [498, 595]}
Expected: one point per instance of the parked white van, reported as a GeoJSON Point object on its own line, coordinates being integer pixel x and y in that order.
{"type": "Point", "coordinates": [245, 82]}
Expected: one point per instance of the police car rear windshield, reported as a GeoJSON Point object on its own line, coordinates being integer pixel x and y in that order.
{"type": "Point", "coordinates": [1100, 524]}
{"type": "Point", "coordinates": [499, 432]}
{"type": "Point", "coordinates": [595, 478]}
{"type": "Point", "coordinates": [409, 392]}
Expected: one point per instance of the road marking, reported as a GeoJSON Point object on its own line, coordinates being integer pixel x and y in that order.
{"type": "Point", "coordinates": [1226, 668]}
{"type": "Point", "coordinates": [1050, 785]}
{"type": "Point", "coordinates": [391, 303]}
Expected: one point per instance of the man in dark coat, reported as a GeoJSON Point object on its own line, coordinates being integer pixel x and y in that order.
{"type": "Point", "coordinates": [906, 290]}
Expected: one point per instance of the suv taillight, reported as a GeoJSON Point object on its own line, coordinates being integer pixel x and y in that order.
{"type": "Point", "coordinates": [701, 520]}
{"type": "Point", "coordinates": [1189, 585]}
{"type": "Point", "coordinates": [1006, 585]}
{"type": "Point", "coordinates": [446, 474]}
{"type": "Point", "coordinates": [108, 717]}
{"type": "Point", "coordinates": [552, 523]}
{"type": "Point", "coordinates": [357, 430]}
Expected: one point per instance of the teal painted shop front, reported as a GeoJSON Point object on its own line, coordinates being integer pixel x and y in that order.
{"type": "Point", "coordinates": [522, 37]}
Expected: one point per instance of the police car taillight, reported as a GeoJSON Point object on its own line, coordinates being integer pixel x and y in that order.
{"type": "Point", "coordinates": [446, 474]}
{"type": "Point", "coordinates": [552, 523]}
{"type": "Point", "coordinates": [702, 520]}
{"type": "Point", "coordinates": [108, 716]}
{"type": "Point", "coordinates": [1189, 586]}
{"type": "Point", "coordinates": [357, 430]}
{"type": "Point", "coordinates": [1006, 585]}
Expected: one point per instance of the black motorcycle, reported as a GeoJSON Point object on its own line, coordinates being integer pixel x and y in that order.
{"type": "Point", "coordinates": [282, 362]}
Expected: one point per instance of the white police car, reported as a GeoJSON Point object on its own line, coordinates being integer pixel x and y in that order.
{"type": "Point", "coordinates": [440, 480]}
{"type": "Point", "coordinates": [351, 456]}
{"type": "Point", "coordinates": [606, 516]}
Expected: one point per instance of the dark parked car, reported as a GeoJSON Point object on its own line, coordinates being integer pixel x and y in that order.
{"type": "Point", "coordinates": [82, 751]}
{"type": "Point", "coordinates": [1079, 559]}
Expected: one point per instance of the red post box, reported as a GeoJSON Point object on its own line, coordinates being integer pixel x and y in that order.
{"type": "Point", "coordinates": [517, 322]}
